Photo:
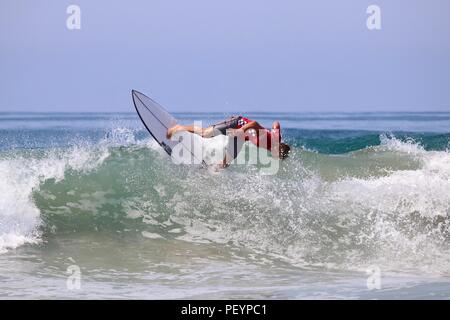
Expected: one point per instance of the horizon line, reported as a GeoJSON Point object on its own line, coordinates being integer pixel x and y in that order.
{"type": "Point", "coordinates": [228, 111]}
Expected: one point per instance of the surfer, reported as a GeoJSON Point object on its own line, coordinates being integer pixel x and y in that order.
{"type": "Point", "coordinates": [241, 129]}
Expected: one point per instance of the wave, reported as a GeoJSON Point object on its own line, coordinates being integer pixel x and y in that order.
{"type": "Point", "coordinates": [22, 173]}
{"type": "Point", "coordinates": [386, 204]}
{"type": "Point", "coordinates": [344, 141]}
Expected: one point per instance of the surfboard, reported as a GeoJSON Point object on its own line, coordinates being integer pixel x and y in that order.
{"type": "Point", "coordinates": [157, 120]}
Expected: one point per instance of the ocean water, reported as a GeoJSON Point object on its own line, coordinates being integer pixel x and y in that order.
{"type": "Point", "coordinates": [360, 210]}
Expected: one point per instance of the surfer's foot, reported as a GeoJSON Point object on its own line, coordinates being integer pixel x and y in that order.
{"type": "Point", "coordinates": [172, 130]}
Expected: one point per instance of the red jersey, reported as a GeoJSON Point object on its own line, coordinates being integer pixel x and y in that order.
{"type": "Point", "coordinates": [263, 138]}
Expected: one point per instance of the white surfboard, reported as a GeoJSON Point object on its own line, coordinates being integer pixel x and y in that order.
{"type": "Point", "coordinates": [157, 121]}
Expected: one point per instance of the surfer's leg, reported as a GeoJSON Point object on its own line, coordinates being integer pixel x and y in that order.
{"type": "Point", "coordinates": [203, 132]}
{"type": "Point", "coordinates": [222, 127]}
{"type": "Point", "coordinates": [209, 132]}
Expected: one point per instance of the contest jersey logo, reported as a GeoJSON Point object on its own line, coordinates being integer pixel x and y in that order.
{"type": "Point", "coordinates": [251, 133]}
{"type": "Point", "coordinates": [242, 122]}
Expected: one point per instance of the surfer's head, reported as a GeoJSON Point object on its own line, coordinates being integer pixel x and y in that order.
{"type": "Point", "coordinates": [284, 150]}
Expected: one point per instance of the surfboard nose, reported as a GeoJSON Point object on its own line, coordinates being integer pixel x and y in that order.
{"type": "Point", "coordinates": [139, 95]}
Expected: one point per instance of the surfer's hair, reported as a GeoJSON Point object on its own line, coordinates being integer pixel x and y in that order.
{"type": "Point", "coordinates": [284, 150]}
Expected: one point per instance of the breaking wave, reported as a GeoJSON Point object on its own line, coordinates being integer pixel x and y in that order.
{"type": "Point", "coordinates": [386, 204]}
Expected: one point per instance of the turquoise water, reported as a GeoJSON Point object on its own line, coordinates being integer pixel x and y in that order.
{"type": "Point", "coordinates": [359, 192]}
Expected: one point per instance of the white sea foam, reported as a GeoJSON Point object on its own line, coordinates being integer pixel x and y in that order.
{"type": "Point", "coordinates": [20, 175]}
{"type": "Point", "coordinates": [410, 146]}
{"type": "Point", "coordinates": [399, 220]}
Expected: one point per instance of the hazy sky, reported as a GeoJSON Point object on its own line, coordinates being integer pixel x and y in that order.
{"type": "Point", "coordinates": [225, 55]}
